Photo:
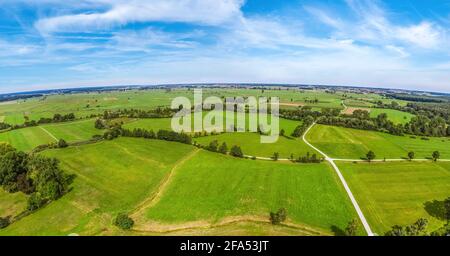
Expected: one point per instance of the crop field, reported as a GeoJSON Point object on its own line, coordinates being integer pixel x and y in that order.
{"type": "Point", "coordinates": [399, 193]}
{"type": "Point", "coordinates": [398, 117]}
{"type": "Point", "coordinates": [113, 177]}
{"type": "Point", "coordinates": [338, 142]}
{"type": "Point", "coordinates": [209, 187]}
{"type": "Point", "coordinates": [28, 138]}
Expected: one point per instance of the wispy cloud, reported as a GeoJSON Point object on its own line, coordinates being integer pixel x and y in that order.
{"type": "Point", "coordinates": [121, 12]}
{"type": "Point", "coordinates": [83, 42]}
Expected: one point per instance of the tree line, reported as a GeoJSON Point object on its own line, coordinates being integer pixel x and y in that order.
{"type": "Point", "coordinates": [38, 176]}
{"type": "Point", "coordinates": [57, 118]}
{"type": "Point", "coordinates": [419, 228]}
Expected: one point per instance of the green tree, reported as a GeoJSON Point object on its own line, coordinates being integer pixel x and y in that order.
{"type": "Point", "coordinates": [352, 228]}
{"type": "Point", "coordinates": [12, 164]}
{"type": "Point", "coordinates": [213, 145]}
{"type": "Point", "coordinates": [223, 148]}
{"type": "Point", "coordinates": [447, 209]}
{"type": "Point", "coordinates": [99, 124]}
{"type": "Point", "coordinates": [275, 156]}
{"type": "Point", "coordinates": [4, 222]}
{"type": "Point", "coordinates": [370, 155]}
{"type": "Point", "coordinates": [5, 148]}
{"type": "Point", "coordinates": [436, 155]}
{"type": "Point", "coordinates": [123, 221]}
{"type": "Point", "coordinates": [35, 201]}
{"type": "Point", "coordinates": [416, 229]}
{"type": "Point", "coordinates": [236, 151]}
{"type": "Point", "coordinates": [411, 155]}
{"type": "Point", "coordinates": [278, 217]}
{"type": "Point", "coordinates": [62, 143]}
{"type": "Point", "coordinates": [49, 180]}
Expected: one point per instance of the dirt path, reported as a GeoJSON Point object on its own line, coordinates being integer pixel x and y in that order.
{"type": "Point", "coordinates": [154, 198]}
{"type": "Point", "coordinates": [344, 183]}
{"type": "Point", "coordinates": [193, 225]}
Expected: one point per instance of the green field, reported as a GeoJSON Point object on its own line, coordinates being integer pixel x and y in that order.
{"type": "Point", "coordinates": [156, 124]}
{"type": "Point", "coordinates": [28, 138]}
{"type": "Point", "coordinates": [112, 177]}
{"type": "Point", "coordinates": [170, 188]}
{"type": "Point", "coordinates": [398, 117]}
{"type": "Point", "coordinates": [399, 193]}
{"type": "Point", "coordinates": [11, 204]}
{"type": "Point", "coordinates": [85, 104]}
{"type": "Point", "coordinates": [251, 145]}
{"type": "Point", "coordinates": [338, 142]}
{"type": "Point", "coordinates": [121, 175]}
{"type": "Point", "coordinates": [211, 186]}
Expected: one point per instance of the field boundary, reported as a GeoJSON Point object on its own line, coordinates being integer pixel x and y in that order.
{"type": "Point", "coordinates": [193, 225]}
{"type": "Point", "coordinates": [155, 197]}
{"type": "Point", "coordinates": [344, 183]}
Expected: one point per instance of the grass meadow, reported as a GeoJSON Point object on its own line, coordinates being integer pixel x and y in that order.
{"type": "Point", "coordinates": [111, 177]}
{"type": "Point", "coordinates": [398, 117]}
{"type": "Point", "coordinates": [210, 187]}
{"type": "Point", "coordinates": [399, 193]}
{"type": "Point", "coordinates": [28, 138]}
{"type": "Point", "coordinates": [338, 142]}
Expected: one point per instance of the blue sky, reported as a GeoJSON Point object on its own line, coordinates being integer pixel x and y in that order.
{"type": "Point", "coordinates": [74, 43]}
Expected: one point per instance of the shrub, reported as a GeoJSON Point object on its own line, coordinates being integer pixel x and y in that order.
{"type": "Point", "coordinates": [62, 144]}
{"type": "Point", "coordinates": [35, 201]}
{"type": "Point", "coordinates": [278, 217]}
{"type": "Point", "coordinates": [123, 221]}
{"type": "Point", "coordinates": [4, 222]}
{"type": "Point", "coordinates": [236, 151]}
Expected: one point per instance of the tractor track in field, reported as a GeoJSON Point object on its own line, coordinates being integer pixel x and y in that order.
{"type": "Point", "coordinates": [155, 197]}
{"type": "Point", "coordinates": [198, 225]}
{"type": "Point", "coordinates": [46, 131]}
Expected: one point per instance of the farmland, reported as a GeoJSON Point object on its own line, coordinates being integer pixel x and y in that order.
{"type": "Point", "coordinates": [252, 188]}
{"type": "Point", "coordinates": [398, 117]}
{"type": "Point", "coordinates": [171, 188]}
{"type": "Point", "coordinates": [28, 138]}
{"type": "Point", "coordinates": [385, 189]}
{"type": "Point", "coordinates": [113, 177]}
{"type": "Point", "coordinates": [118, 176]}
{"type": "Point", "coordinates": [348, 143]}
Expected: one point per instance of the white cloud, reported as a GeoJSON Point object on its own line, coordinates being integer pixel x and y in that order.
{"type": "Point", "coordinates": [121, 12]}
{"type": "Point", "coordinates": [371, 24]}
{"type": "Point", "coordinates": [423, 35]}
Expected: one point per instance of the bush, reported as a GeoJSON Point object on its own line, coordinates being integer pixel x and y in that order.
{"type": "Point", "coordinates": [278, 217]}
{"type": "Point", "coordinates": [123, 221]}
{"type": "Point", "coordinates": [35, 201]}
{"type": "Point", "coordinates": [62, 144]}
{"type": "Point", "coordinates": [4, 222]}
{"type": "Point", "coordinates": [236, 151]}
